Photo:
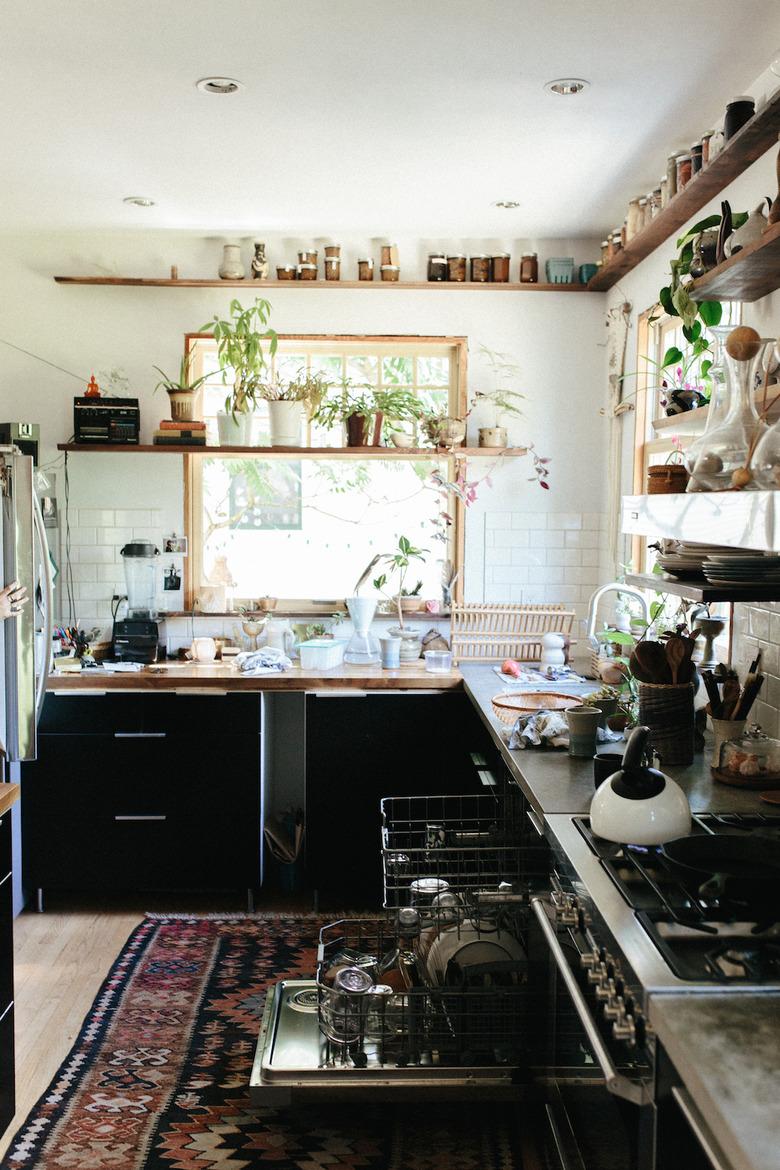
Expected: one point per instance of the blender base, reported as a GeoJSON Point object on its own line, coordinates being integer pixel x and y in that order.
{"type": "Point", "coordinates": [135, 640]}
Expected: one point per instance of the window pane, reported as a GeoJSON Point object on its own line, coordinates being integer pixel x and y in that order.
{"type": "Point", "coordinates": [397, 371]}
{"type": "Point", "coordinates": [362, 368]}
{"type": "Point", "coordinates": [293, 528]}
{"type": "Point", "coordinates": [288, 365]}
{"type": "Point", "coordinates": [329, 367]}
{"type": "Point", "coordinates": [433, 371]}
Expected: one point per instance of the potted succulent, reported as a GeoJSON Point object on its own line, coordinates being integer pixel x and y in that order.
{"type": "Point", "coordinates": [363, 409]}
{"type": "Point", "coordinates": [181, 392]}
{"type": "Point", "coordinates": [391, 585]}
{"type": "Point", "coordinates": [240, 349]}
{"type": "Point", "coordinates": [287, 403]}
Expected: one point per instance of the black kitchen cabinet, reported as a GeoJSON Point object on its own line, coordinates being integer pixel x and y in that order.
{"type": "Point", "coordinates": [362, 748]}
{"type": "Point", "coordinates": [7, 1077]}
{"type": "Point", "coordinates": [144, 792]}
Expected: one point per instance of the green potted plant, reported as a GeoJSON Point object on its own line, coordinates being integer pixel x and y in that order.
{"type": "Point", "coordinates": [181, 391]}
{"type": "Point", "coordinates": [287, 404]}
{"type": "Point", "coordinates": [502, 400]}
{"type": "Point", "coordinates": [240, 348]}
{"type": "Point", "coordinates": [363, 409]}
{"type": "Point", "coordinates": [391, 584]}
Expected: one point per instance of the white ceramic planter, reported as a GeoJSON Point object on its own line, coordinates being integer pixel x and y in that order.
{"type": "Point", "coordinates": [234, 431]}
{"type": "Point", "coordinates": [285, 419]}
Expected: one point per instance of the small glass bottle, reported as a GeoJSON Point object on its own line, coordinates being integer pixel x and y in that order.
{"type": "Point", "coordinates": [401, 968]}
{"type": "Point", "coordinates": [605, 252]}
{"type": "Point", "coordinates": [684, 171]}
{"type": "Point", "coordinates": [644, 217]}
{"type": "Point", "coordinates": [633, 219]}
{"type": "Point", "coordinates": [671, 176]}
{"type": "Point", "coordinates": [697, 157]}
{"type": "Point", "coordinates": [664, 192]}
{"type": "Point", "coordinates": [529, 268]}
{"type": "Point", "coordinates": [706, 140]}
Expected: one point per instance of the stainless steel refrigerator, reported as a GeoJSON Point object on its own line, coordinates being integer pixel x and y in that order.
{"type": "Point", "coordinates": [25, 641]}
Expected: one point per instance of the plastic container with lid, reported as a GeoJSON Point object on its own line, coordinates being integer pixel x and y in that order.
{"type": "Point", "coordinates": [456, 267]}
{"type": "Point", "coordinates": [480, 268]}
{"type": "Point", "coordinates": [739, 111]}
{"type": "Point", "coordinates": [500, 267]}
{"type": "Point", "coordinates": [438, 661]}
{"type": "Point", "coordinates": [529, 268]}
{"type": "Point", "coordinates": [751, 760]}
{"type": "Point", "coordinates": [321, 655]}
{"type": "Point", "coordinates": [437, 267]}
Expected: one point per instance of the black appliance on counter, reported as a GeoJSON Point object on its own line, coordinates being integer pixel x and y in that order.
{"type": "Point", "coordinates": [115, 421]}
{"type": "Point", "coordinates": [135, 637]}
{"type": "Point", "coordinates": [135, 640]}
{"type": "Point", "coordinates": [24, 435]}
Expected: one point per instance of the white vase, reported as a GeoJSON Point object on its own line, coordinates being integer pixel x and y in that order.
{"type": "Point", "coordinates": [234, 430]}
{"type": "Point", "coordinates": [285, 419]}
{"type": "Point", "coordinates": [231, 267]}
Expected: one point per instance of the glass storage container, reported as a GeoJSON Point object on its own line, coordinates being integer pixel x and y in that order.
{"type": "Point", "coordinates": [437, 267]}
{"type": "Point", "coordinates": [366, 269]}
{"type": "Point", "coordinates": [500, 267]}
{"type": "Point", "coordinates": [480, 268]}
{"type": "Point", "coordinates": [664, 188]}
{"type": "Point", "coordinates": [332, 267]}
{"type": "Point", "coordinates": [644, 215]}
{"type": "Point", "coordinates": [307, 271]}
{"type": "Point", "coordinates": [684, 171]}
{"type": "Point", "coordinates": [718, 406]}
{"type": "Point", "coordinates": [671, 176]}
{"type": "Point", "coordinates": [285, 272]}
{"type": "Point", "coordinates": [307, 257]}
{"type": "Point", "coordinates": [766, 458]}
{"type": "Point", "coordinates": [390, 272]}
{"type": "Point", "coordinates": [456, 267]}
{"type": "Point", "coordinates": [752, 760]}
{"type": "Point", "coordinates": [529, 268]}
{"type": "Point", "coordinates": [633, 219]}
{"type": "Point", "coordinates": [739, 111]}
{"type": "Point", "coordinates": [697, 157]}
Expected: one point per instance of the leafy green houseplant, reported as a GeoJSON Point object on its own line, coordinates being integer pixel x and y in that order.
{"type": "Point", "coordinates": [391, 583]}
{"type": "Point", "coordinates": [362, 410]}
{"type": "Point", "coordinates": [287, 403]}
{"type": "Point", "coordinates": [180, 391]}
{"type": "Point", "coordinates": [242, 341]}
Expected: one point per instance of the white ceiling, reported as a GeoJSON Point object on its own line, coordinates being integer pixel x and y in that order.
{"type": "Point", "coordinates": [365, 115]}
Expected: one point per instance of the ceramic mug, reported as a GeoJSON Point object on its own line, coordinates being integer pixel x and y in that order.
{"type": "Point", "coordinates": [203, 649]}
{"type": "Point", "coordinates": [583, 725]}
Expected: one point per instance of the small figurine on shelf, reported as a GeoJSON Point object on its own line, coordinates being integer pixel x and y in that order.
{"type": "Point", "coordinates": [92, 390]}
{"type": "Point", "coordinates": [259, 261]}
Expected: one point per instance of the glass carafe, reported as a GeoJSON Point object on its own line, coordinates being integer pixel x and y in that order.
{"type": "Point", "coordinates": [765, 463]}
{"type": "Point", "coordinates": [728, 444]}
{"type": "Point", "coordinates": [717, 409]}
{"type": "Point", "coordinates": [363, 648]}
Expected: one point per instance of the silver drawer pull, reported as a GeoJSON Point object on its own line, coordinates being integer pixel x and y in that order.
{"type": "Point", "coordinates": [141, 817]}
{"type": "Point", "coordinates": [140, 734]}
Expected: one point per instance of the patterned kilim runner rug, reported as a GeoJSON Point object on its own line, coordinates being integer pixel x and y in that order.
{"type": "Point", "coordinates": [157, 1079]}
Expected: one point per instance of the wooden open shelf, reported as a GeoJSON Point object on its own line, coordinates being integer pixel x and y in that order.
{"type": "Point", "coordinates": [702, 590]}
{"type": "Point", "coordinates": [299, 452]}
{"type": "Point", "coordinates": [753, 140]}
{"type": "Point", "coordinates": [753, 273]}
{"type": "Point", "coordinates": [332, 285]}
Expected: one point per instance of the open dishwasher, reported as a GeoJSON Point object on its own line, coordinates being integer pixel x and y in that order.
{"type": "Point", "coordinates": [439, 990]}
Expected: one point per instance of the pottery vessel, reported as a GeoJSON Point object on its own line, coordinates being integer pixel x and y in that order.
{"type": "Point", "coordinates": [234, 430]}
{"type": "Point", "coordinates": [286, 419]}
{"type": "Point", "coordinates": [493, 437]}
{"type": "Point", "coordinates": [231, 267]}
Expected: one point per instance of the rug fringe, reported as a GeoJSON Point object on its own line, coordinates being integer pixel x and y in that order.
{"type": "Point", "coordinates": [272, 915]}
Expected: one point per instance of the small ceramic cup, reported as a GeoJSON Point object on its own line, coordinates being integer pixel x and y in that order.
{"type": "Point", "coordinates": [583, 725]}
{"type": "Point", "coordinates": [391, 652]}
{"type": "Point", "coordinates": [203, 649]}
{"type": "Point", "coordinates": [605, 765]}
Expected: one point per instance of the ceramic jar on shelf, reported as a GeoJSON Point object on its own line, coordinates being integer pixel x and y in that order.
{"type": "Point", "coordinates": [231, 267]}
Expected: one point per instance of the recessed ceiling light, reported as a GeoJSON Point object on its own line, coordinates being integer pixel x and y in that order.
{"type": "Point", "coordinates": [218, 85]}
{"type": "Point", "coordinates": [507, 204]}
{"type": "Point", "coordinates": [139, 201]}
{"type": "Point", "coordinates": [566, 86]}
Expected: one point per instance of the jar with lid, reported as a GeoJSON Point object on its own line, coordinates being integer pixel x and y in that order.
{"type": "Point", "coordinates": [706, 139]}
{"type": "Point", "coordinates": [671, 176]}
{"type": "Point", "coordinates": [332, 267]}
{"type": "Point", "coordinates": [716, 144]}
{"type": "Point", "coordinates": [366, 269]}
{"type": "Point", "coordinates": [307, 257]}
{"type": "Point", "coordinates": [500, 267]}
{"type": "Point", "coordinates": [307, 271]}
{"type": "Point", "coordinates": [391, 272]}
{"type": "Point", "coordinates": [333, 251]}
{"type": "Point", "coordinates": [644, 214]}
{"type": "Point", "coordinates": [751, 760]}
{"type": "Point", "coordinates": [605, 252]}
{"type": "Point", "coordinates": [617, 243]}
{"type": "Point", "coordinates": [684, 171]}
{"type": "Point", "coordinates": [437, 267]}
{"type": "Point", "coordinates": [389, 256]}
{"type": "Point", "coordinates": [664, 189]}
{"type": "Point", "coordinates": [739, 111]}
{"type": "Point", "coordinates": [697, 157]}
{"type": "Point", "coordinates": [654, 202]}
{"type": "Point", "coordinates": [285, 272]}
{"type": "Point", "coordinates": [529, 268]}
{"type": "Point", "coordinates": [456, 267]}
{"type": "Point", "coordinates": [480, 268]}
{"type": "Point", "coordinates": [633, 224]}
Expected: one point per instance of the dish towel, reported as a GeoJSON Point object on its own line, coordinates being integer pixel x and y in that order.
{"type": "Point", "coordinates": [267, 660]}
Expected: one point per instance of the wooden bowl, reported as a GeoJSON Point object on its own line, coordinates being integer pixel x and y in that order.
{"type": "Point", "coordinates": [509, 704]}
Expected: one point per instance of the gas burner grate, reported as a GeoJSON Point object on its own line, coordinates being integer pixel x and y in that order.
{"type": "Point", "coordinates": [734, 964]}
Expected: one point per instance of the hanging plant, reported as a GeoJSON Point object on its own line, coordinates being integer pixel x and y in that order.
{"type": "Point", "coordinates": [676, 300]}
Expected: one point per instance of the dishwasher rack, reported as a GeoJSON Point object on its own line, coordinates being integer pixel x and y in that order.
{"type": "Point", "coordinates": [479, 1014]}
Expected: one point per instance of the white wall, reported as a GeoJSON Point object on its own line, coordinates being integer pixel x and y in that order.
{"type": "Point", "coordinates": [556, 339]}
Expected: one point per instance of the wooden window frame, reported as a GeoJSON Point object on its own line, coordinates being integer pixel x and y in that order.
{"type": "Point", "coordinates": [458, 404]}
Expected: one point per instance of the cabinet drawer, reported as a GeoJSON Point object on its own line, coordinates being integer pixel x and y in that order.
{"type": "Point", "coordinates": [91, 714]}
{"type": "Point", "coordinates": [203, 715]}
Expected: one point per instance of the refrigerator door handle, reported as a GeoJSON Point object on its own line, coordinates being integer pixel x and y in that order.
{"type": "Point", "coordinates": [48, 605]}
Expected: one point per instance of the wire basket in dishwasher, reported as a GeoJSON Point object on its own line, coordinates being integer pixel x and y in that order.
{"type": "Point", "coordinates": [472, 843]}
{"type": "Point", "coordinates": [473, 1013]}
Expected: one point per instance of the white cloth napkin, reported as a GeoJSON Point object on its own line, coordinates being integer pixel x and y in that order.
{"type": "Point", "coordinates": [266, 660]}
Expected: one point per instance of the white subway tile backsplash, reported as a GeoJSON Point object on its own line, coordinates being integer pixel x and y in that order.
{"type": "Point", "coordinates": [529, 520]}
{"type": "Point", "coordinates": [546, 538]}
{"type": "Point", "coordinates": [506, 538]}
{"type": "Point", "coordinates": [94, 591]}
{"type": "Point", "coordinates": [93, 554]}
{"type": "Point", "coordinates": [759, 623]}
{"type": "Point", "coordinates": [589, 556]}
{"type": "Point", "coordinates": [498, 520]}
{"type": "Point", "coordinates": [563, 556]}
{"type": "Point", "coordinates": [113, 573]}
{"type": "Point", "coordinates": [508, 574]}
{"type": "Point", "coordinates": [112, 536]}
{"type": "Point", "coordinates": [567, 520]}
{"type": "Point", "coordinates": [582, 539]}
{"type": "Point", "coordinates": [96, 517]}
{"type": "Point", "coordinates": [498, 556]}
{"type": "Point", "coordinates": [133, 517]}
{"type": "Point", "coordinates": [81, 572]}
{"type": "Point", "coordinates": [526, 556]}
{"type": "Point", "coordinates": [79, 535]}
{"type": "Point", "coordinates": [549, 574]}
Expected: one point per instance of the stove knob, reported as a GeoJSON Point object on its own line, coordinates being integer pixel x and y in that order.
{"type": "Point", "coordinates": [597, 973]}
{"type": "Point", "coordinates": [588, 959]}
{"type": "Point", "coordinates": [625, 1030]}
{"type": "Point", "coordinates": [615, 1009]}
{"type": "Point", "coordinates": [620, 986]}
{"type": "Point", "coordinates": [605, 991]}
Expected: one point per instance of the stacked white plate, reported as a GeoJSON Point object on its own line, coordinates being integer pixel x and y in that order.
{"type": "Point", "coordinates": [687, 559]}
{"type": "Point", "coordinates": [738, 567]}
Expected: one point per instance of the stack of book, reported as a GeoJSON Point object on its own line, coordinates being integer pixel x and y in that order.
{"type": "Point", "coordinates": [180, 433]}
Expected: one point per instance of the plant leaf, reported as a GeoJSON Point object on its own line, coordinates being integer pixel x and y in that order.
{"type": "Point", "coordinates": [711, 312]}
{"type": "Point", "coordinates": [672, 356]}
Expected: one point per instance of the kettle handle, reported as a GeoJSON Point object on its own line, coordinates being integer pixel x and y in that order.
{"type": "Point", "coordinates": [633, 756]}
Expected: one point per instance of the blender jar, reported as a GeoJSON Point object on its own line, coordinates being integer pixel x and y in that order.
{"type": "Point", "coordinates": [139, 559]}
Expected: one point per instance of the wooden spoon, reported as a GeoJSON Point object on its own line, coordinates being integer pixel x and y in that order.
{"type": "Point", "coordinates": [676, 652]}
{"type": "Point", "coordinates": [648, 662]}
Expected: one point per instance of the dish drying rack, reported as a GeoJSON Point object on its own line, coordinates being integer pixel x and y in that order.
{"type": "Point", "coordinates": [491, 633]}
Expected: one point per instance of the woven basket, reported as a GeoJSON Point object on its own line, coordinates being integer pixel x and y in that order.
{"type": "Point", "coordinates": [509, 704]}
{"type": "Point", "coordinates": [666, 479]}
{"type": "Point", "coordinates": [668, 711]}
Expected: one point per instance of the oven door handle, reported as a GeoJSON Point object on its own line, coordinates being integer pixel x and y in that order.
{"type": "Point", "coordinates": [614, 1080]}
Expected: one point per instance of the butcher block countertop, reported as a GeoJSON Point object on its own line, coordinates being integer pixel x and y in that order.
{"type": "Point", "coordinates": [9, 794]}
{"type": "Point", "coordinates": [187, 676]}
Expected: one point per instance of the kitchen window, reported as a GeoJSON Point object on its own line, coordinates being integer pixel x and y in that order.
{"type": "Point", "coordinates": [304, 529]}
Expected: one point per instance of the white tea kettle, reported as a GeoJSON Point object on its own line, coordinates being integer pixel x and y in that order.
{"type": "Point", "coordinates": [639, 805]}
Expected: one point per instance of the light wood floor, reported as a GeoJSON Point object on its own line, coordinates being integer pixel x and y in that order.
{"type": "Point", "coordinates": [61, 959]}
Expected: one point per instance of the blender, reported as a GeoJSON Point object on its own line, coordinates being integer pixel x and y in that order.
{"type": "Point", "coordinates": [363, 648]}
{"type": "Point", "coordinates": [135, 637]}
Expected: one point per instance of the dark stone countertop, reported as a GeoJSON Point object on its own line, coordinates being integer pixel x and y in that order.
{"type": "Point", "coordinates": [554, 782]}
{"type": "Point", "coordinates": [726, 1048]}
